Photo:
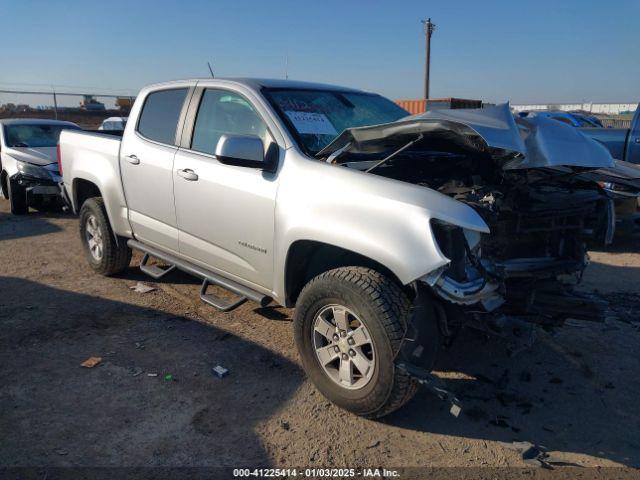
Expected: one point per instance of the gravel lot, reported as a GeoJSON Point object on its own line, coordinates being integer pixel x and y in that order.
{"type": "Point", "coordinates": [575, 391]}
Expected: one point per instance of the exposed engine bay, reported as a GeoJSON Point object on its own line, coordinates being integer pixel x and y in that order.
{"type": "Point", "coordinates": [540, 222]}
{"type": "Point", "coordinates": [534, 184]}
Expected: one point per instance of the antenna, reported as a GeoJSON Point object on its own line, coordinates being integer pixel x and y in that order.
{"type": "Point", "coordinates": [211, 70]}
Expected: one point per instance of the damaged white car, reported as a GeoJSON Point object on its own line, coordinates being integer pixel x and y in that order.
{"type": "Point", "coordinates": [384, 238]}
{"type": "Point", "coordinates": [29, 171]}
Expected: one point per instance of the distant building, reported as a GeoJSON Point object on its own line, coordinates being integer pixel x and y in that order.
{"type": "Point", "coordinates": [600, 108]}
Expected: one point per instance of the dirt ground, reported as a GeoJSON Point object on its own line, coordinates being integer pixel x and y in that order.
{"type": "Point", "coordinates": [574, 391]}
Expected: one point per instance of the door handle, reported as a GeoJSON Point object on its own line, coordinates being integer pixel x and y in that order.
{"type": "Point", "coordinates": [188, 174]}
{"type": "Point", "coordinates": [132, 159]}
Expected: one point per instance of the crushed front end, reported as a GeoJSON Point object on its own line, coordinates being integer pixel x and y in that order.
{"type": "Point", "coordinates": [535, 254]}
{"type": "Point", "coordinates": [535, 183]}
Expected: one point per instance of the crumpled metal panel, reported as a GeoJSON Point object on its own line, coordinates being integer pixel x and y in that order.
{"type": "Point", "coordinates": [496, 125]}
{"type": "Point", "coordinates": [531, 142]}
{"type": "Point", "coordinates": [550, 143]}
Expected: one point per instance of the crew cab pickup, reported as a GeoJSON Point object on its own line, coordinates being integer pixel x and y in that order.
{"type": "Point", "coordinates": [624, 146]}
{"type": "Point", "coordinates": [385, 232]}
{"type": "Point", "coordinates": [623, 143]}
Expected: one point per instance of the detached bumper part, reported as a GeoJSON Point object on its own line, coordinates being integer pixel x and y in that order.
{"type": "Point", "coordinates": [434, 385]}
{"type": "Point", "coordinates": [421, 342]}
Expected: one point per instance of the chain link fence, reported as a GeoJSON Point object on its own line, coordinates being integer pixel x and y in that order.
{"type": "Point", "coordinates": [86, 110]}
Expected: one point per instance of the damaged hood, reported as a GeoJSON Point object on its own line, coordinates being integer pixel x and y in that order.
{"type": "Point", "coordinates": [35, 155]}
{"type": "Point", "coordinates": [523, 142]}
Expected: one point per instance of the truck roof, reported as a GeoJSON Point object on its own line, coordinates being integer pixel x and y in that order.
{"type": "Point", "coordinates": [257, 83]}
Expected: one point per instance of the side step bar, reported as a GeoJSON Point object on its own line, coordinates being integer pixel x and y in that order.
{"type": "Point", "coordinates": [153, 270]}
{"type": "Point", "coordinates": [209, 278]}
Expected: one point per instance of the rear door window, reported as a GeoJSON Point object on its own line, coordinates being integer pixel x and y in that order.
{"type": "Point", "coordinates": [160, 114]}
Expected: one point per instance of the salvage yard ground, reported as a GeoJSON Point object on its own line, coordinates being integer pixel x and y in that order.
{"type": "Point", "coordinates": [574, 391]}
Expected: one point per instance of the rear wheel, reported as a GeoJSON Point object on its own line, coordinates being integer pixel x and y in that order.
{"type": "Point", "coordinates": [104, 254]}
{"type": "Point", "coordinates": [349, 325]}
{"type": "Point", "coordinates": [17, 198]}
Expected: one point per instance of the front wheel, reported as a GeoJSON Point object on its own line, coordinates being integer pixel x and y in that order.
{"type": "Point", "coordinates": [105, 255]}
{"type": "Point", "coordinates": [349, 324]}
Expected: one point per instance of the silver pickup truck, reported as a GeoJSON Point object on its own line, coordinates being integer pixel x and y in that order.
{"type": "Point", "coordinates": [385, 232]}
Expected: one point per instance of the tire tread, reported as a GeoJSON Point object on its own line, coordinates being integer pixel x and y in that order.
{"type": "Point", "coordinates": [117, 255]}
{"type": "Point", "coordinates": [393, 307]}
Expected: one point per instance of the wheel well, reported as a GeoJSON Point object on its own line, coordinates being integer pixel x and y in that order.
{"type": "Point", "coordinates": [307, 259]}
{"type": "Point", "coordinates": [83, 190]}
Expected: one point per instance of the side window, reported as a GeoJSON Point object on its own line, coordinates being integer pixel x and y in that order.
{"type": "Point", "coordinates": [160, 113]}
{"type": "Point", "coordinates": [221, 112]}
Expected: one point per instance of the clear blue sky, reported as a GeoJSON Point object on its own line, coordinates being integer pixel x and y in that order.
{"type": "Point", "coordinates": [504, 50]}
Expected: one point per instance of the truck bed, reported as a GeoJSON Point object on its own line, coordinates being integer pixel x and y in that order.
{"type": "Point", "coordinates": [94, 158]}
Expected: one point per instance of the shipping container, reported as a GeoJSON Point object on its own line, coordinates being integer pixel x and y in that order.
{"type": "Point", "coordinates": [418, 106]}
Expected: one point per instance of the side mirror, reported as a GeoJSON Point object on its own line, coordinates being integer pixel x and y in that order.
{"type": "Point", "coordinates": [241, 150]}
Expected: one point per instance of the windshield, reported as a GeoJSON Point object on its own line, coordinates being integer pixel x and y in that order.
{"type": "Point", "coordinates": [34, 136]}
{"type": "Point", "coordinates": [316, 117]}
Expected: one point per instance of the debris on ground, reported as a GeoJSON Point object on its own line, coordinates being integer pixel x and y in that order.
{"type": "Point", "coordinates": [142, 288]}
{"type": "Point", "coordinates": [136, 371]}
{"type": "Point", "coordinates": [537, 455]}
{"type": "Point", "coordinates": [220, 371]}
{"type": "Point", "coordinates": [576, 323]}
{"type": "Point", "coordinates": [152, 374]}
{"type": "Point", "coordinates": [374, 444]}
{"type": "Point", "coordinates": [500, 421]}
{"type": "Point", "coordinates": [285, 425]}
{"type": "Point", "coordinates": [61, 451]}
{"type": "Point", "coordinates": [168, 377]}
{"type": "Point", "coordinates": [91, 362]}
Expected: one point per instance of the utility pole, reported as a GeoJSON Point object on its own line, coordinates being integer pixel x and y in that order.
{"type": "Point", "coordinates": [286, 66]}
{"type": "Point", "coordinates": [428, 31]}
{"type": "Point", "coordinates": [55, 102]}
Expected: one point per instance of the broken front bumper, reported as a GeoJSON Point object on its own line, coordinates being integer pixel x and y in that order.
{"type": "Point", "coordinates": [36, 186]}
{"type": "Point", "coordinates": [534, 289]}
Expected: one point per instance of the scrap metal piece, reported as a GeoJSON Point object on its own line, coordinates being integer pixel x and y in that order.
{"type": "Point", "coordinates": [220, 371]}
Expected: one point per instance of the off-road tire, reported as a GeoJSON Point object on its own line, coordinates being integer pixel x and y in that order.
{"type": "Point", "coordinates": [17, 198]}
{"type": "Point", "coordinates": [384, 308]}
{"type": "Point", "coordinates": [116, 255]}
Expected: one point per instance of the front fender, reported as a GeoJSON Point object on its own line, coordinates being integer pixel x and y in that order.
{"type": "Point", "coordinates": [385, 220]}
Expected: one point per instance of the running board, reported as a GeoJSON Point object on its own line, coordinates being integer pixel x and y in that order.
{"type": "Point", "coordinates": [208, 277]}
{"type": "Point", "coordinates": [217, 302]}
{"type": "Point", "coordinates": [154, 271]}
